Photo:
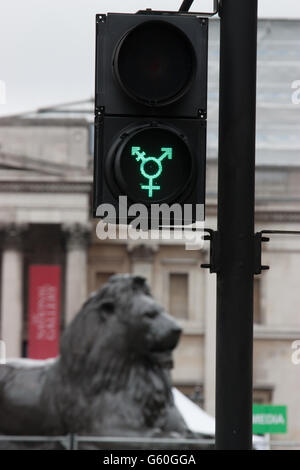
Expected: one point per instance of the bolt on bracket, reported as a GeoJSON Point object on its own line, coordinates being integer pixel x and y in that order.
{"type": "Point", "coordinates": [259, 238]}
{"type": "Point", "coordinates": [214, 252]}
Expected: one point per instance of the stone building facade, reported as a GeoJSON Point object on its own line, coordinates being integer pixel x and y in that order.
{"type": "Point", "coordinates": [45, 213]}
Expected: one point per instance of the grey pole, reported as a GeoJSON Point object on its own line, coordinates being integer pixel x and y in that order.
{"type": "Point", "coordinates": [236, 187]}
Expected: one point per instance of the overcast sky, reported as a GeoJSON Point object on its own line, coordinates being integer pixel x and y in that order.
{"type": "Point", "coordinates": [47, 46]}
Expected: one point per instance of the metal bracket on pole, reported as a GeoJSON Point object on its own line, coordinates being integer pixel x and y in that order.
{"type": "Point", "coordinates": [214, 252]}
{"type": "Point", "coordinates": [259, 238]}
{"type": "Point", "coordinates": [186, 4]}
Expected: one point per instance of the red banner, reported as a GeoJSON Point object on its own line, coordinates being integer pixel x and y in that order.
{"type": "Point", "coordinates": [44, 311]}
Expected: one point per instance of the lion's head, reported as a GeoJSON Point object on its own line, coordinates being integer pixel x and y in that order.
{"type": "Point", "coordinates": [120, 322]}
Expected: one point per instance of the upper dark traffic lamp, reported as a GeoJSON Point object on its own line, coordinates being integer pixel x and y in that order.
{"type": "Point", "coordinates": [155, 63]}
{"type": "Point", "coordinates": [150, 108]}
{"type": "Point", "coordinates": [151, 64]}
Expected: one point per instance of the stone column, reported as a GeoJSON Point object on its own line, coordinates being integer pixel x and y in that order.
{"type": "Point", "coordinates": [142, 257]}
{"type": "Point", "coordinates": [77, 237]}
{"type": "Point", "coordinates": [12, 290]}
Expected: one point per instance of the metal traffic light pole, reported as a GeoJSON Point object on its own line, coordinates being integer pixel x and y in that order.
{"type": "Point", "coordinates": [236, 190]}
{"type": "Point", "coordinates": [235, 250]}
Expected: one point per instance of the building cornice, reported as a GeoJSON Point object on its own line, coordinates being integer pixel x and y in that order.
{"type": "Point", "coordinates": [264, 215]}
{"type": "Point", "coordinates": [25, 163]}
{"type": "Point", "coordinates": [14, 121]}
{"type": "Point", "coordinates": [46, 187]}
{"type": "Point", "coordinates": [264, 332]}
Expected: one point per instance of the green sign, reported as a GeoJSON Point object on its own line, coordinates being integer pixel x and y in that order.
{"type": "Point", "coordinates": [269, 419]}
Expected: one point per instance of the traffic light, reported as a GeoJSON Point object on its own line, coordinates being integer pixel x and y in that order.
{"type": "Point", "coordinates": [150, 110]}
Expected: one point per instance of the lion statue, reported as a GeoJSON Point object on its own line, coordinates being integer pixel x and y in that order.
{"type": "Point", "coordinates": [112, 377]}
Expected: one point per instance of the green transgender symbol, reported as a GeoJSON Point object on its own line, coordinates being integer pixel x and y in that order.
{"type": "Point", "coordinates": [151, 167]}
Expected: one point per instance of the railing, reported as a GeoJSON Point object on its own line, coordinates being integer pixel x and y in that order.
{"type": "Point", "coordinates": [144, 443]}
{"type": "Point", "coordinates": [74, 442]}
{"type": "Point", "coordinates": [65, 441]}
{"type": "Point", "coordinates": [295, 445]}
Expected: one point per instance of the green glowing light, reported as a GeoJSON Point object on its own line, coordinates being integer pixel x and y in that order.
{"type": "Point", "coordinates": [151, 164]}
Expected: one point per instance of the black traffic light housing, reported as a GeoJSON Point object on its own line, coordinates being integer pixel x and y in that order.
{"type": "Point", "coordinates": [150, 109]}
